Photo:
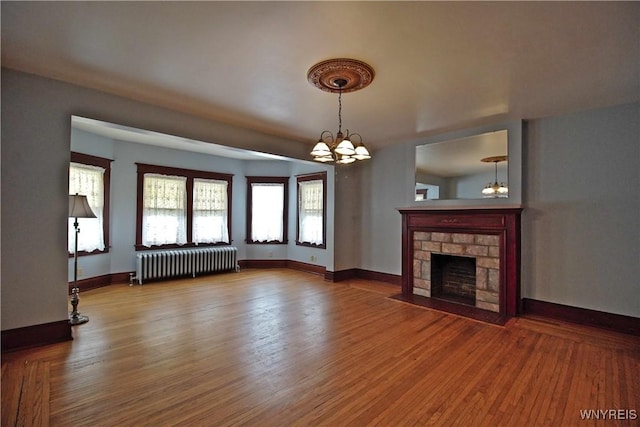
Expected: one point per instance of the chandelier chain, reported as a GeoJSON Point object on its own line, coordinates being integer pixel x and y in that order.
{"type": "Point", "coordinates": [340, 110]}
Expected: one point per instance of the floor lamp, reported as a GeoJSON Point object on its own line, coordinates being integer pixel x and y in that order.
{"type": "Point", "coordinates": [78, 208]}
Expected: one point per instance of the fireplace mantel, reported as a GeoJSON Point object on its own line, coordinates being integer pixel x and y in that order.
{"type": "Point", "coordinates": [491, 234]}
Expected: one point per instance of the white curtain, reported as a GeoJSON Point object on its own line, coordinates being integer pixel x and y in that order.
{"type": "Point", "coordinates": [310, 210]}
{"type": "Point", "coordinates": [164, 215]}
{"type": "Point", "coordinates": [87, 180]}
{"type": "Point", "coordinates": [267, 207]}
{"type": "Point", "coordinates": [210, 207]}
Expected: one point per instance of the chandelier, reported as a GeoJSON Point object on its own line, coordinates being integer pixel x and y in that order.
{"type": "Point", "coordinates": [493, 189]}
{"type": "Point", "coordinates": [340, 75]}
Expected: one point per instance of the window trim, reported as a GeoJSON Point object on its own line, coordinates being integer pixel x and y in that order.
{"type": "Point", "coordinates": [190, 174]}
{"type": "Point", "coordinates": [87, 159]}
{"type": "Point", "coordinates": [285, 215]}
{"type": "Point", "coordinates": [312, 177]}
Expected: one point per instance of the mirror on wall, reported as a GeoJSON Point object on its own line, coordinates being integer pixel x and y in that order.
{"type": "Point", "coordinates": [472, 167]}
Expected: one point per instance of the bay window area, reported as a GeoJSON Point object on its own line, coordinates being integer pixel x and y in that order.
{"type": "Point", "coordinates": [167, 199]}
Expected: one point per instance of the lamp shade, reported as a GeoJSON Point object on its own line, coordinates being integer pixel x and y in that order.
{"type": "Point", "coordinates": [79, 207]}
{"type": "Point", "coordinates": [362, 153]}
{"type": "Point", "coordinates": [345, 148]}
{"type": "Point", "coordinates": [345, 160]}
{"type": "Point", "coordinates": [323, 159]}
{"type": "Point", "coordinates": [321, 149]}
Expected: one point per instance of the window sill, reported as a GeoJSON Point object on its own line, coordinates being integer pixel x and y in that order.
{"type": "Point", "coordinates": [140, 247]}
{"type": "Point", "coordinates": [85, 253]}
{"type": "Point", "coordinates": [311, 245]}
{"type": "Point", "coordinates": [270, 242]}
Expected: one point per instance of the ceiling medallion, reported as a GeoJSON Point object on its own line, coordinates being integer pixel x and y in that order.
{"type": "Point", "coordinates": [324, 75]}
{"type": "Point", "coordinates": [494, 159]}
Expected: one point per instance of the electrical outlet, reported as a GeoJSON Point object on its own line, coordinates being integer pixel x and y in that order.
{"type": "Point", "coordinates": [270, 254]}
{"type": "Point", "coordinates": [80, 272]}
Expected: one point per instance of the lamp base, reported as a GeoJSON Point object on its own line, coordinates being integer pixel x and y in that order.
{"type": "Point", "coordinates": [77, 319]}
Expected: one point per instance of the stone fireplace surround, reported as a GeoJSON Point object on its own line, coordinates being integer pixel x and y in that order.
{"type": "Point", "coordinates": [485, 248]}
{"type": "Point", "coordinates": [490, 235]}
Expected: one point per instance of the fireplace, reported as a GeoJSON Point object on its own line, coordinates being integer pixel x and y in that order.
{"type": "Point", "coordinates": [464, 261]}
{"type": "Point", "coordinates": [453, 278]}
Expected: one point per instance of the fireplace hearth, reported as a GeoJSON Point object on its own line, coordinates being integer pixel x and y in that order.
{"type": "Point", "coordinates": [463, 261]}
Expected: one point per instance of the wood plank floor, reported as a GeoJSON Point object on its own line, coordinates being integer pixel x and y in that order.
{"type": "Point", "coordinates": [25, 393]}
{"type": "Point", "coordinates": [280, 347]}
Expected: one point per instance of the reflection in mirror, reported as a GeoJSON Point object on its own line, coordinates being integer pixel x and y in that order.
{"type": "Point", "coordinates": [464, 168]}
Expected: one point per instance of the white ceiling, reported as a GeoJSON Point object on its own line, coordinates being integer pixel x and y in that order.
{"type": "Point", "coordinates": [147, 137]}
{"type": "Point", "coordinates": [439, 65]}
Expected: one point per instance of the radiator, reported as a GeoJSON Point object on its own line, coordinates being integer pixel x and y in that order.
{"type": "Point", "coordinates": [185, 262]}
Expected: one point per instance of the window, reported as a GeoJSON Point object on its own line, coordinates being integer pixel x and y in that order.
{"type": "Point", "coordinates": [164, 217]}
{"type": "Point", "coordinates": [312, 204]}
{"type": "Point", "coordinates": [90, 176]}
{"type": "Point", "coordinates": [182, 207]}
{"type": "Point", "coordinates": [267, 206]}
{"type": "Point", "coordinates": [210, 211]}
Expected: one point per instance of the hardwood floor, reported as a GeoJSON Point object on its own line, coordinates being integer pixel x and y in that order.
{"type": "Point", "coordinates": [280, 347]}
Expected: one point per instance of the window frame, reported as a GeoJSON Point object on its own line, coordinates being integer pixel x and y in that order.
{"type": "Point", "coordinates": [87, 159]}
{"type": "Point", "coordinates": [189, 174]}
{"type": "Point", "coordinates": [318, 176]}
{"type": "Point", "coordinates": [285, 214]}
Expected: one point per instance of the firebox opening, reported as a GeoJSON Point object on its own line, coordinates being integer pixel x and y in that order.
{"type": "Point", "coordinates": [453, 278]}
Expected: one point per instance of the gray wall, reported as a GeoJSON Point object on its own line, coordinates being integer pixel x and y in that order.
{"type": "Point", "coordinates": [35, 156]}
{"type": "Point", "coordinates": [581, 224]}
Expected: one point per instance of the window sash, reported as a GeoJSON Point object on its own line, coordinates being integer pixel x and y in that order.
{"type": "Point", "coordinates": [164, 215]}
{"type": "Point", "coordinates": [210, 210]}
{"type": "Point", "coordinates": [267, 207]}
{"type": "Point", "coordinates": [311, 212]}
{"type": "Point", "coordinates": [87, 180]}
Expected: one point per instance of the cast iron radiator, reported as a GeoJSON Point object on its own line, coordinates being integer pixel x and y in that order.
{"type": "Point", "coordinates": [184, 262]}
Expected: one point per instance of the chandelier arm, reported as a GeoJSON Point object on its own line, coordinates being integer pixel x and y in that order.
{"type": "Point", "coordinates": [351, 135]}
{"type": "Point", "coordinates": [322, 135]}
